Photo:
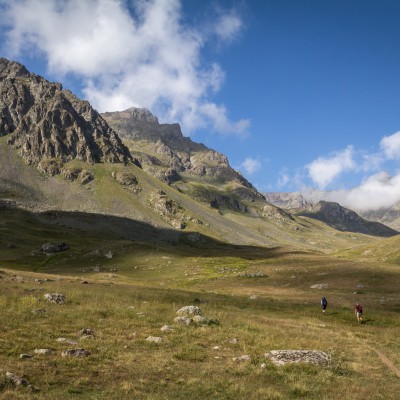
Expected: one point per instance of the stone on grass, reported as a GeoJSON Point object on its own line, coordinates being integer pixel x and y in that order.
{"type": "Point", "coordinates": [245, 357]}
{"type": "Point", "coordinates": [57, 298]}
{"type": "Point", "coordinates": [154, 339]}
{"type": "Point", "coordinates": [49, 248]}
{"type": "Point", "coordinates": [320, 286]}
{"type": "Point", "coordinates": [65, 340]}
{"type": "Point", "coordinates": [24, 356]}
{"type": "Point", "coordinates": [282, 357]}
{"type": "Point", "coordinates": [198, 319]}
{"type": "Point", "coordinates": [86, 332]}
{"type": "Point", "coordinates": [183, 320]}
{"type": "Point", "coordinates": [16, 380]}
{"type": "Point", "coordinates": [166, 328]}
{"type": "Point", "coordinates": [189, 310]}
{"type": "Point", "coordinates": [45, 352]}
{"type": "Point", "coordinates": [75, 353]}
{"type": "Point", "coordinates": [253, 297]}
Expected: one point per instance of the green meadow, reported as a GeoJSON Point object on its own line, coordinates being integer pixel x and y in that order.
{"type": "Point", "coordinates": [256, 300]}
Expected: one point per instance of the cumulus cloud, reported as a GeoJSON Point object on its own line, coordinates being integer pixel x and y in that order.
{"type": "Point", "coordinates": [250, 165]}
{"type": "Point", "coordinates": [324, 170]}
{"type": "Point", "coordinates": [390, 146]}
{"type": "Point", "coordinates": [127, 54]}
{"type": "Point", "coordinates": [377, 191]}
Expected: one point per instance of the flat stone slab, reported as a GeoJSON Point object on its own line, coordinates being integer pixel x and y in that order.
{"type": "Point", "coordinates": [283, 357]}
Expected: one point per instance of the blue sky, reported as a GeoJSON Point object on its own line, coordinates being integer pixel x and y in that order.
{"type": "Point", "coordinates": [299, 94]}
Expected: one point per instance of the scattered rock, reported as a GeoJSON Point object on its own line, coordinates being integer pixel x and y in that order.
{"type": "Point", "coordinates": [253, 275]}
{"type": "Point", "coordinates": [50, 248]}
{"type": "Point", "coordinates": [166, 328]}
{"type": "Point", "coordinates": [189, 310]}
{"type": "Point", "coordinates": [86, 332]}
{"type": "Point", "coordinates": [24, 356]}
{"type": "Point", "coordinates": [253, 297]}
{"type": "Point", "coordinates": [45, 352]}
{"type": "Point", "coordinates": [109, 255]}
{"type": "Point", "coordinates": [233, 341]}
{"type": "Point", "coordinates": [65, 340]}
{"type": "Point", "coordinates": [16, 380]}
{"type": "Point", "coordinates": [57, 298]}
{"type": "Point", "coordinates": [154, 339]}
{"type": "Point", "coordinates": [242, 358]}
{"type": "Point", "coordinates": [320, 286]}
{"type": "Point", "coordinates": [183, 320]}
{"type": "Point", "coordinates": [75, 353]}
{"type": "Point", "coordinates": [263, 365]}
{"type": "Point", "coordinates": [86, 177]}
{"type": "Point", "coordinates": [282, 357]}
{"type": "Point", "coordinates": [198, 319]}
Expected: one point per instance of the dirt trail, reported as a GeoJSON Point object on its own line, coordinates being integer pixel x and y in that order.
{"type": "Point", "coordinates": [387, 362]}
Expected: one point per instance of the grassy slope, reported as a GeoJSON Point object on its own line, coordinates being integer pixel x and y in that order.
{"type": "Point", "coordinates": [126, 306]}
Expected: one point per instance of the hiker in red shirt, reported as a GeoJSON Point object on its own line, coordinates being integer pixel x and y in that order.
{"type": "Point", "coordinates": [358, 312]}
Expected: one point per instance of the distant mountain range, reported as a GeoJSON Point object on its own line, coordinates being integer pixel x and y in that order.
{"type": "Point", "coordinates": [59, 155]}
{"type": "Point", "coordinates": [334, 215]}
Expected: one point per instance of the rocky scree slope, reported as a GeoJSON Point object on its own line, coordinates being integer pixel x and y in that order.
{"type": "Point", "coordinates": [45, 122]}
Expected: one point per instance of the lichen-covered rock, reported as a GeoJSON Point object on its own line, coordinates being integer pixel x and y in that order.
{"type": "Point", "coordinates": [45, 352]}
{"type": "Point", "coordinates": [200, 320]}
{"type": "Point", "coordinates": [75, 353]}
{"type": "Point", "coordinates": [57, 298]}
{"type": "Point", "coordinates": [183, 320]}
{"type": "Point", "coordinates": [166, 328]}
{"type": "Point", "coordinates": [282, 357]}
{"type": "Point", "coordinates": [189, 310]}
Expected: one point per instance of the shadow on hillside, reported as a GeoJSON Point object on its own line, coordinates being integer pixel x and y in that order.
{"type": "Point", "coordinates": [356, 226]}
{"type": "Point", "coordinates": [115, 228]}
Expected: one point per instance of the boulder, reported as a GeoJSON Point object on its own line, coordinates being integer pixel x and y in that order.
{"type": "Point", "coordinates": [283, 357]}
{"type": "Point", "coordinates": [57, 298]}
{"type": "Point", "coordinates": [189, 310]}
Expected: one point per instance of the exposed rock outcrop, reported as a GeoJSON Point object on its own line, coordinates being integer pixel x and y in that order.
{"type": "Point", "coordinates": [175, 152]}
{"type": "Point", "coordinates": [50, 125]}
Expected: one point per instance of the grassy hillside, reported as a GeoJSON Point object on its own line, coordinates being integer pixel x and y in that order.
{"type": "Point", "coordinates": [257, 300]}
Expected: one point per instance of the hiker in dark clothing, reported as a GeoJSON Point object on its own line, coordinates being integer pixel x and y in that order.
{"type": "Point", "coordinates": [358, 311]}
{"type": "Point", "coordinates": [324, 304]}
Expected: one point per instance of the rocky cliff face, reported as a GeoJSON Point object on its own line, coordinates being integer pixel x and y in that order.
{"type": "Point", "coordinates": [166, 146]}
{"type": "Point", "coordinates": [44, 121]}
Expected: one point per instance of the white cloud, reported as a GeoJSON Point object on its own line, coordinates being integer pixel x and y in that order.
{"type": "Point", "coordinates": [324, 170]}
{"type": "Point", "coordinates": [390, 146]}
{"type": "Point", "coordinates": [228, 25]}
{"type": "Point", "coordinates": [250, 165]}
{"type": "Point", "coordinates": [146, 57]}
{"type": "Point", "coordinates": [377, 191]}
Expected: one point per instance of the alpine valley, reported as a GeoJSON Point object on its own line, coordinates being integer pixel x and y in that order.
{"type": "Point", "coordinates": [152, 222]}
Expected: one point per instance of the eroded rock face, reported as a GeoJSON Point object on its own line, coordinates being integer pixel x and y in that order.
{"type": "Point", "coordinates": [46, 122]}
{"type": "Point", "coordinates": [174, 151]}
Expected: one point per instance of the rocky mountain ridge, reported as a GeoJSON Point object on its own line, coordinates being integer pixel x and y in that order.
{"type": "Point", "coordinates": [129, 167]}
{"type": "Point", "coordinates": [331, 213]}
{"type": "Point", "coordinates": [168, 154]}
{"type": "Point", "coordinates": [43, 121]}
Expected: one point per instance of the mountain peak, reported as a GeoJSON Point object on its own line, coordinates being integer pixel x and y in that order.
{"type": "Point", "coordinates": [44, 121]}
